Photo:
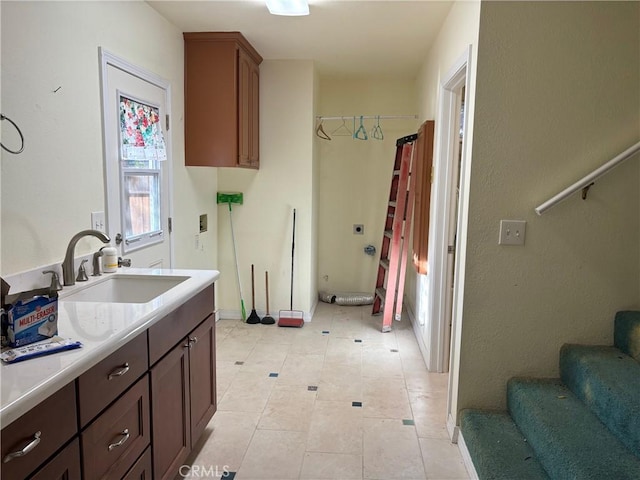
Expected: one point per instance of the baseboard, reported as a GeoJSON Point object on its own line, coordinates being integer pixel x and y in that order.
{"type": "Point", "coordinates": [452, 428]}
{"type": "Point", "coordinates": [466, 458]}
{"type": "Point", "coordinates": [236, 315]}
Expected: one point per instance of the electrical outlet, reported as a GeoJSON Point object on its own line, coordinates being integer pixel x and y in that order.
{"type": "Point", "coordinates": [197, 242]}
{"type": "Point", "coordinates": [97, 221]}
{"type": "Point", "coordinates": [203, 223]}
{"type": "Point", "coordinates": [512, 232]}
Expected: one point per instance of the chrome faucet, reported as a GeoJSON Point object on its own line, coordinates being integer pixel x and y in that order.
{"type": "Point", "coordinates": [68, 277]}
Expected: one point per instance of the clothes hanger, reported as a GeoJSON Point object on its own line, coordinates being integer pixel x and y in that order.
{"type": "Point", "coordinates": [361, 132]}
{"type": "Point", "coordinates": [376, 131]}
{"type": "Point", "coordinates": [342, 130]}
{"type": "Point", "coordinates": [320, 131]}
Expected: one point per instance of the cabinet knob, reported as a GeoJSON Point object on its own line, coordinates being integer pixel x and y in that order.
{"type": "Point", "coordinates": [21, 453]}
{"type": "Point", "coordinates": [125, 436]}
{"type": "Point", "coordinates": [118, 372]}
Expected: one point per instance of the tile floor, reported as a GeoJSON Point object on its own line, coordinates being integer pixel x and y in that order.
{"type": "Point", "coordinates": [336, 399]}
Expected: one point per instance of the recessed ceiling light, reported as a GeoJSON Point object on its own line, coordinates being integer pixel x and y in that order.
{"type": "Point", "coordinates": [288, 7]}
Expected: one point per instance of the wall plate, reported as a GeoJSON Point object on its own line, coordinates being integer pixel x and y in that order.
{"type": "Point", "coordinates": [512, 232]}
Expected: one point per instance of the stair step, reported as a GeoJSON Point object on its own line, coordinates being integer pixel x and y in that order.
{"type": "Point", "coordinates": [608, 382]}
{"type": "Point", "coordinates": [498, 449]}
{"type": "Point", "coordinates": [627, 333]}
{"type": "Point", "coordinates": [568, 438]}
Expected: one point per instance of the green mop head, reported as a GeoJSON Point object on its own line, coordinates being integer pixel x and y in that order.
{"type": "Point", "coordinates": [229, 197]}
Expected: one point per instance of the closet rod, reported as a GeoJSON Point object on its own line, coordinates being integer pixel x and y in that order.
{"type": "Point", "coordinates": [369, 117]}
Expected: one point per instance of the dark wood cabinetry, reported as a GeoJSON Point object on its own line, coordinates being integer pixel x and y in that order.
{"type": "Point", "coordinates": [38, 434]}
{"type": "Point", "coordinates": [222, 79]}
{"type": "Point", "coordinates": [113, 442]}
{"type": "Point", "coordinates": [129, 421]}
{"type": "Point", "coordinates": [183, 392]}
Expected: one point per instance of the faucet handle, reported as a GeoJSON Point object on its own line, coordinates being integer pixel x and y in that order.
{"type": "Point", "coordinates": [55, 282]}
{"type": "Point", "coordinates": [82, 272]}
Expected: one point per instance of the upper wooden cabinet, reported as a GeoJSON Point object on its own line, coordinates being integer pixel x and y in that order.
{"type": "Point", "coordinates": [221, 100]}
{"type": "Point", "coordinates": [423, 163]}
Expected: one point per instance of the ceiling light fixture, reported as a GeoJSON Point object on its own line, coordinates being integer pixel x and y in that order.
{"type": "Point", "coordinates": [288, 7]}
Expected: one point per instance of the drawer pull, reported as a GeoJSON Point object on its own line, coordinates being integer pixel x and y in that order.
{"type": "Point", "coordinates": [125, 437]}
{"type": "Point", "coordinates": [21, 453]}
{"type": "Point", "coordinates": [118, 372]}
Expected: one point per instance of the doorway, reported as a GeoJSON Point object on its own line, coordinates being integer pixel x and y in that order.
{"type": "Point", "coordinates": [137, 162]}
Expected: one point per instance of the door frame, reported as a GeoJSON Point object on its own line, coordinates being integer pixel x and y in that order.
{"type": "Point", "coordinates": [444, 183]}
{"type": "Point", "coordinates": [107, 59]}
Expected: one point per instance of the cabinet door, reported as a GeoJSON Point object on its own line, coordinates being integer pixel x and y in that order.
{"type": "Point", "coordinates": [254, 115]}
{"type": "Point", "coordinates": [244, 109]}
{"type": "Point", "coordinates": [202, 370]}
{"type": "Point", "coordinates": [64, 466]}
{"type": "Point", "coordinates": [170, 412]}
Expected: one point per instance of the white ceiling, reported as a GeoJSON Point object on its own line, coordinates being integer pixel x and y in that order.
{"type": "Point", "coordinates": [343, 37]}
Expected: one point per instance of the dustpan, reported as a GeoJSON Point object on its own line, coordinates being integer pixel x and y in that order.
{"type": "Point", "coordinates": [291, 317]}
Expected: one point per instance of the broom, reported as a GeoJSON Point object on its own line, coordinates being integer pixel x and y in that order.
{"type": "Point", "coordinates": [291, 317]}
{"type": "Point", "coordinates": [267, 319]}
{"type": "Point", "coordinates": [229, 198]}
{"type": "Point", "coordinates": [253, 317]}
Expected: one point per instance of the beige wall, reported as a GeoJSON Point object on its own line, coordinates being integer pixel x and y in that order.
{"type": "Point", "coordinates": [50, 190]}
{"type": "Point", "coordinates": [557, 96]}
{"type": "Point", "coordinates": [458, 34]}
{"type": "Point", "coordinates": [262, 225]}
{"type": "Point", "coordinates": [355, 177]}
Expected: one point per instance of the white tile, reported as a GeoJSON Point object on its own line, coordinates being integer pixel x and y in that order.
{"type": "Point", "coordinates": [442, 459]}
{"type": "Point", "coordinates": [335, 466]}
{"type": "Point", "coordinates": [275, 428]}
{"type": "Point", "coordinates": [273, 454]}
{"type": "Point", "coordinates": [391, 450]}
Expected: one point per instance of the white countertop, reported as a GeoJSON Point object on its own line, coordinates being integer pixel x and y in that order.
{"type": "Point", "coordinates": [101, 327]}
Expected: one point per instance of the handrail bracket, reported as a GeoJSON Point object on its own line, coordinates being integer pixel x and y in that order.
{"type": "Point", "coordinates": [585, 190]}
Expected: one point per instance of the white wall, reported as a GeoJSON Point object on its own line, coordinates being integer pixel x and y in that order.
{"type": "Point", "coordinates": [284, 181]}
{"type": "Point", "coordinates": [355, 177]}
{"type": "Point", "coordinates": [557, 95]}
{"type": "Point", "coordinates": [49, 191]}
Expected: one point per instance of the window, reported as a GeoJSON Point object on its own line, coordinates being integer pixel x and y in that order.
{"type": "Point", "coordinates": [141, 203]}
{"type": "Point", "coordinates": [142, 149]}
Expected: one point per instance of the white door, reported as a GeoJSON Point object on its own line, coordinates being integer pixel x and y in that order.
{"type": "Point", "coordinates": [137, 167]}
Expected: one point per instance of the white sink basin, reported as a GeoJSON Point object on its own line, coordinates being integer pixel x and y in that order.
{"type": "Point", "coordinates": [126, 289]}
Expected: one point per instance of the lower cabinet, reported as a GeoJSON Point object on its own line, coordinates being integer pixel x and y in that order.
{"type": "Point", "coordinates": [121, 419]}
{"type": "Point", "coordinates": [142, 469]}
{"type": "Point", "coordinates": [183, 398]}
{"type": "Point", "coordinates": [64, 466]}
{"type": "Point", "coordinates": [113, 442]}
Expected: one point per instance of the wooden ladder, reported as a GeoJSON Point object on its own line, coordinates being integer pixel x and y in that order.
{"type": "Point", "coordinates": [395, 240]}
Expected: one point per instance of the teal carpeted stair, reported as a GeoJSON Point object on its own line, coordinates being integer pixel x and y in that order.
{"type": "Point", "coordinates": [583, 426]}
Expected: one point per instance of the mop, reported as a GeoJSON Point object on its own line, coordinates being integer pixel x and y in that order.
{"type": "Point", "coordinates": [291, 317]}
{"type": "Point", "coordinates": [253, 317]}
{"type": "Point", "coordinates": [229, 198]}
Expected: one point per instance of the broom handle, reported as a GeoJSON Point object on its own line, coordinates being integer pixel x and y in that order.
{"type": "Point", "coordinates": [253, 294]}
{"type": "Point", "coordinates": [266, 282]}
{"type": "Point", "coordinates": [293, 247]}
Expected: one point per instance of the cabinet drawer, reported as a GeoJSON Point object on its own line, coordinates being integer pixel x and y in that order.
{"type": "Point", "coordinates": [64, 466]}
{"type": "Point", "coordinates": [166, 333]}
{"type": "Point", "coordinates": [104, 382]}
{"type": "Point", "coordinates": [141, 470]}
{"type": "Point", "coordinates": [45, 428]}
{"type": "Point", "coordinates": [113, 442]}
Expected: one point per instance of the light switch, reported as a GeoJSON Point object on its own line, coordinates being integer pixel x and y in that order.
{"type": "Point", "coordinates": [97, 221]}
{"type": "Point", "coordinates": [512, 232]}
